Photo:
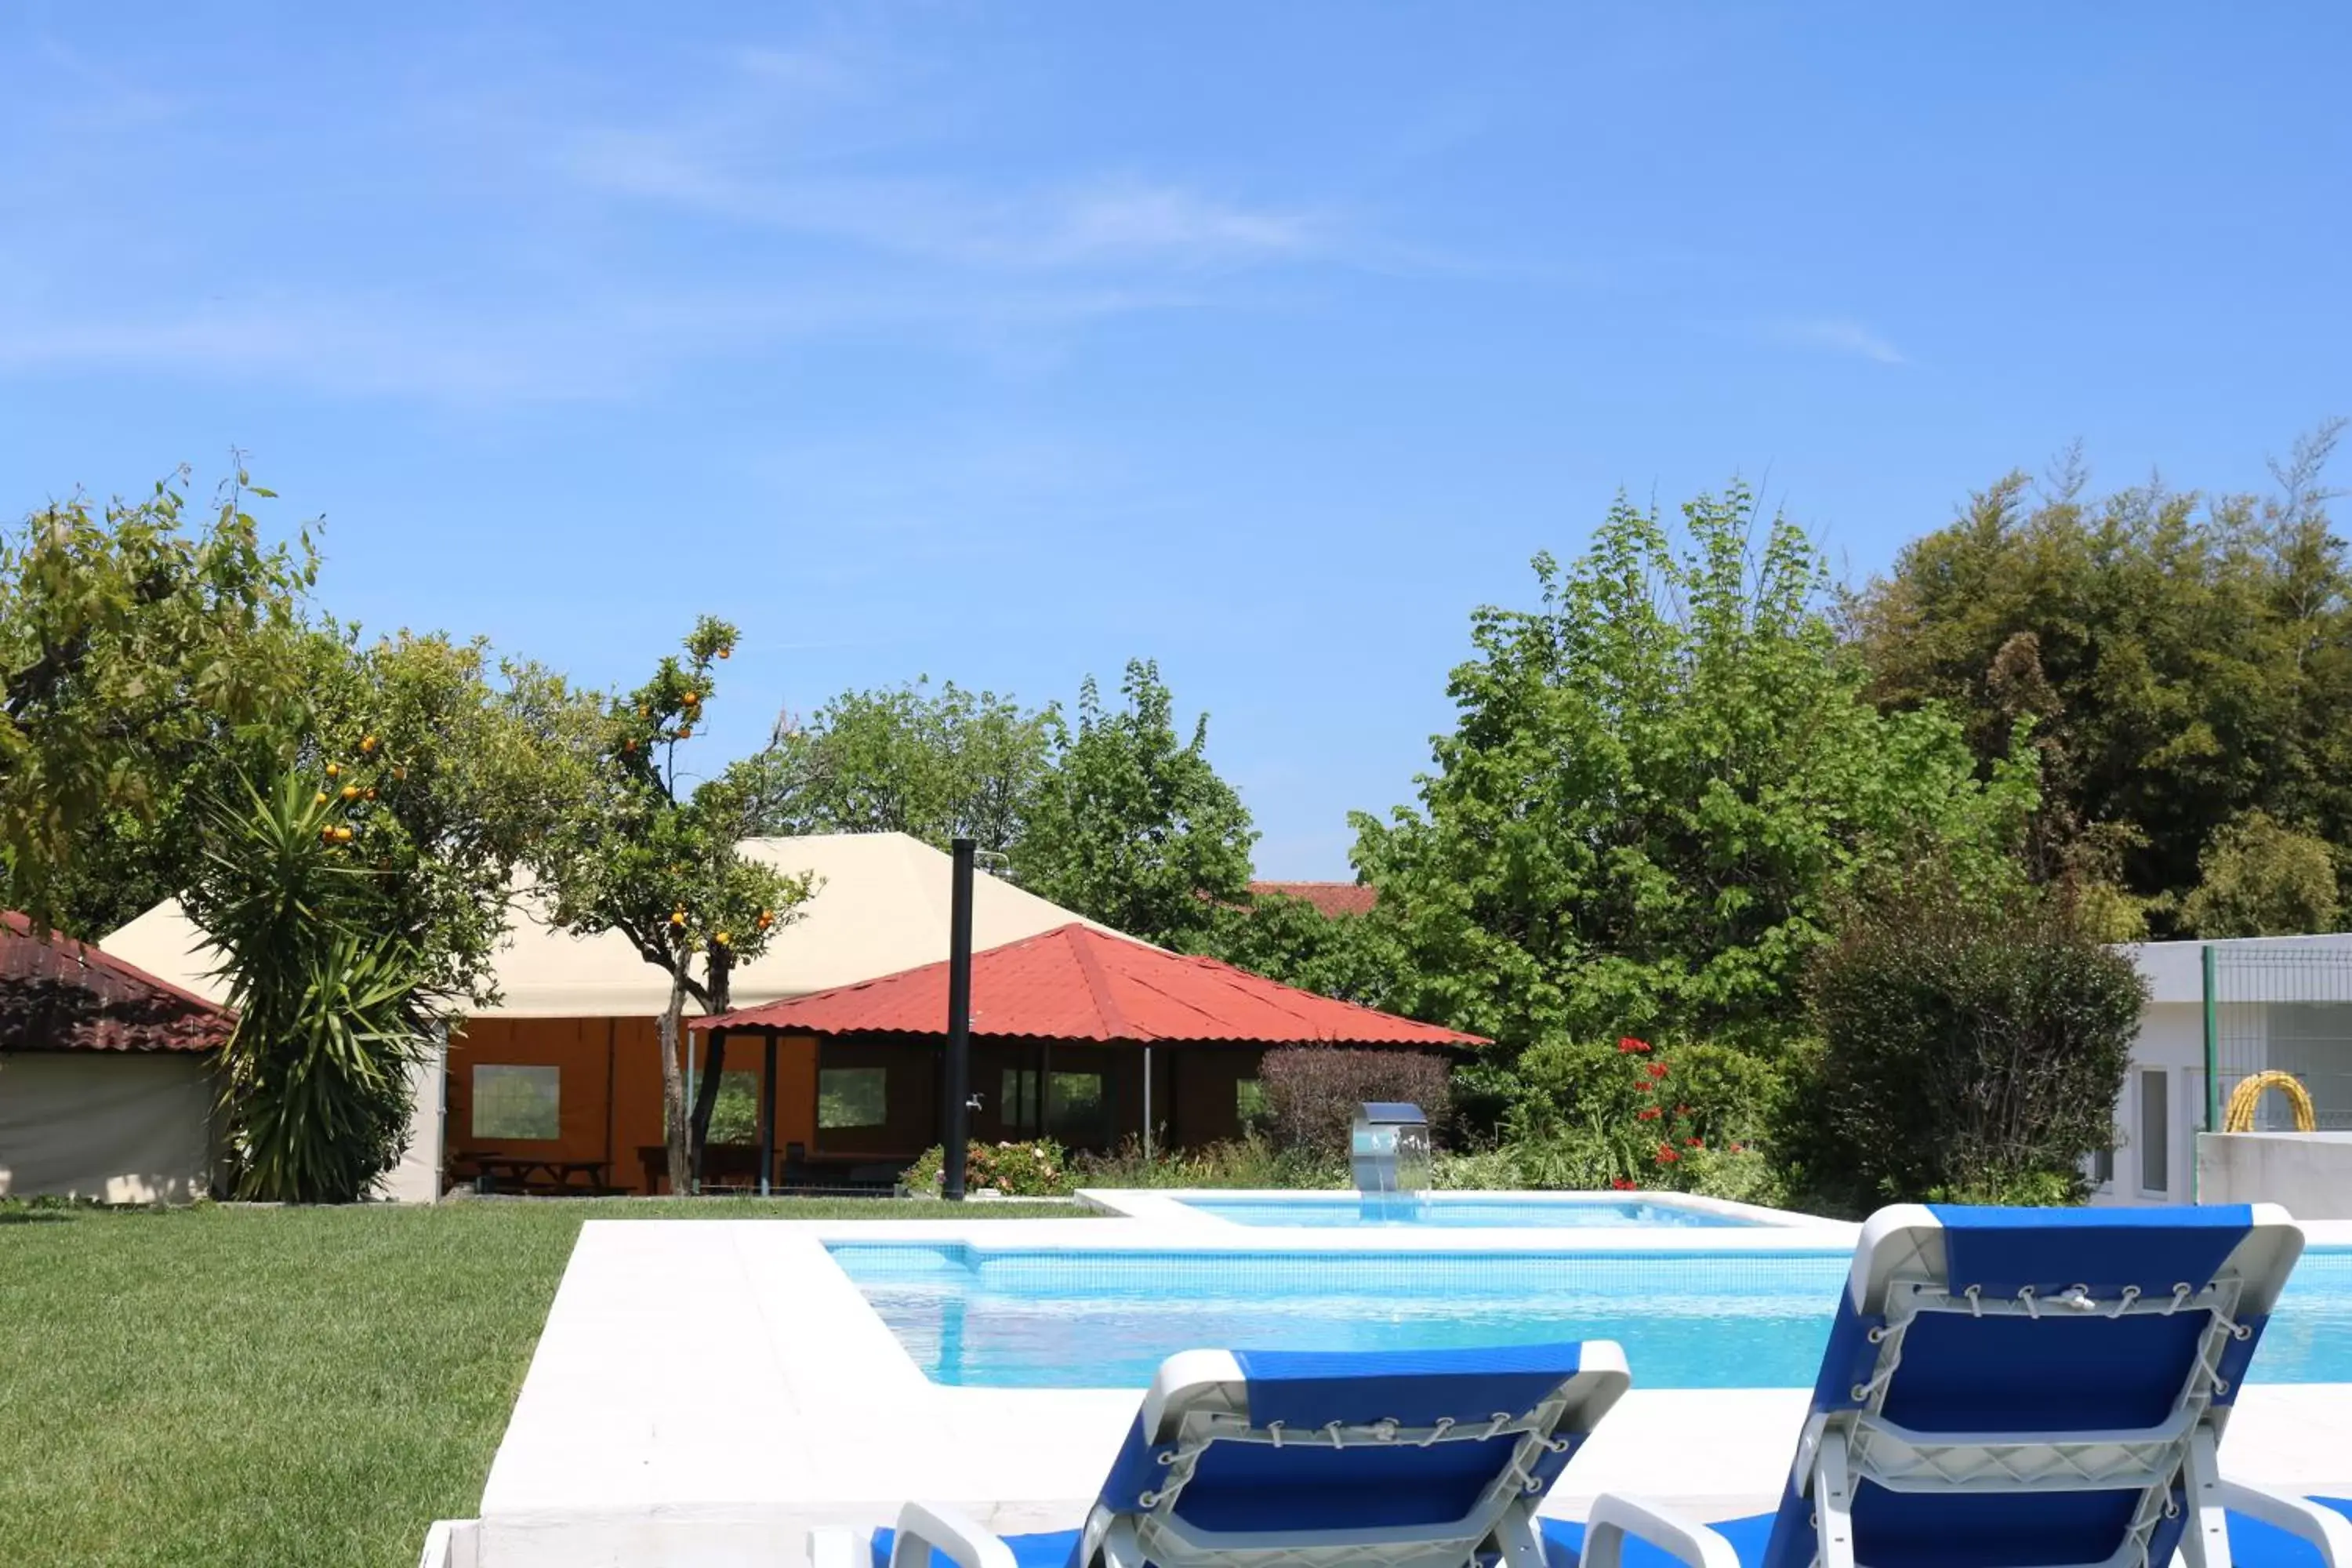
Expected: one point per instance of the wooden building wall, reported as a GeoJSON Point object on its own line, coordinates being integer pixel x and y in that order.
{"type": "Point", "coordinates": [610, 1107]}
{"type": "Point", "coordinates": [609, 1102]}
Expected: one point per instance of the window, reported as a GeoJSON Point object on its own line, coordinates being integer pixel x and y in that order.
{"type": "Point", "coordinates": [735, 1113]}
{"type": "Point", "coordinates": [2155, 1134]}
{"type": "Point", "coordinates": [734, 1110]}
{"type": "Point", "coordinates": [852, 1097]}
{"type": "Point", "coordinates": [2103, 1167]}
{"type": "Point", "coordinates": [1017, 1107]}
{"type": "Point", "coordinates": [517, 1101]}
{"type": "Point", "coordinates": [1074, 1107]}
{"type": "Point", "coordinates": [1249, 1102]}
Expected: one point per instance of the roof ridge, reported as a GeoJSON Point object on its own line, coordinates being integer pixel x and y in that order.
{"type": "Point", "coordinates": [1080, 941]}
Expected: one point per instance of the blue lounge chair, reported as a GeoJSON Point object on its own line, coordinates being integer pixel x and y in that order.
{"type": "Point", "coordinates": [1249, 1459]}
{"type": "Point", "coordinates": [2019, 1388]}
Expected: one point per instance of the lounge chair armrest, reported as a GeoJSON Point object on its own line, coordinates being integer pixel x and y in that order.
{"type": "Point", "coordinates": [839, 1547]}
{"type": "Point", "coordinates": [926, 1527]}
{"type": "Point", "coordinates": [2315, 1522]}
{"type": "Point", "coordinates": [1615, 1517]}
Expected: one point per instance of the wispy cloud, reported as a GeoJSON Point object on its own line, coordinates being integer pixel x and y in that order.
{"type": "Point", "coordinates": [1832, 334]}
{"type": "Point", "coordinates": [587, 348]}
{"type": "Point", "coordinates": [1112, 223]}
{"type": "Point", "coordinates": [602, 234]}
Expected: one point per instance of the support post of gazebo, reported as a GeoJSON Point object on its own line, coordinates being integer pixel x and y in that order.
{"type": "Point", "coordinates": [768, 1113]}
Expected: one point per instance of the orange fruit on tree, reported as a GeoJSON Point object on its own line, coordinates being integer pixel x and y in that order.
{"type": "Point", "coordinates": [333, 769]}
{"type": "Point", "coordinates": [351, 792]}
{"type": "Point", "coordinates": [367, 745]}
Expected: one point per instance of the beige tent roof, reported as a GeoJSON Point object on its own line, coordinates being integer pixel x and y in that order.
{"type": "Point", "coordinates": [881, 906]}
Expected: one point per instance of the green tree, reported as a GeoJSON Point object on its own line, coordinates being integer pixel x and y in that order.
{"type": "Point", "coordinates": [1972, 1050]}
{"type": "Point", "coordinates": [133, 640]}
{"type": "Point", "coordinates": [315, 1076]}
{"type": "Point", "coordinates": [1132, 827]}
{"type": "Point", "coordinates": [2184, 659]}
{"type": "Point", "coordinates": [1348, 956]}
{"type": "Point", "coordinates": [460, 766]}
{"type": "Point", "coordinates": [1661, 781]}
{"type": "Point", "coordinates": [659, 864]}
{"type": "Point", "coordinates": [902, 760]}
{"type": "Point", "coordinates": [2260, 877]}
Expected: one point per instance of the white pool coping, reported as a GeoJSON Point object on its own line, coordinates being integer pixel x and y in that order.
{"type": "Point", "coordinates": [707, 1391]}
{"type": "Point", "coordinates": [1173, 1206]}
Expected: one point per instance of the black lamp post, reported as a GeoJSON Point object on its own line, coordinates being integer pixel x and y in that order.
{"type": "Point", "coordinates": [959, 1063]}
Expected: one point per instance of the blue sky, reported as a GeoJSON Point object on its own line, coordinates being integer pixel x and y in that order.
{"type": "Point", "coordinates": [1001, 343]}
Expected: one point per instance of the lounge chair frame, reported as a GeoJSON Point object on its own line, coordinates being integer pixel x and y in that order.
{"type": "Point", "coordinates": [1201, 1399]}
{"type": "Point", "coordinates": [1900, 1271]}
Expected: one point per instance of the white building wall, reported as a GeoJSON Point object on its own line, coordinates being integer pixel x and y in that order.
{"type": "Point", "coordinates": [120, 1127]}
{"type": "Point", "coordinates": [2171, 1043]}
{"type": "Point", "coordinates": [417, 1178]}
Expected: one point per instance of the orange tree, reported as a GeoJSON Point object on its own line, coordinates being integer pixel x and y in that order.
{"type": "Point", "coordinates": [135, 640]}
{"type": "Point", "coordinates": [661, 865]}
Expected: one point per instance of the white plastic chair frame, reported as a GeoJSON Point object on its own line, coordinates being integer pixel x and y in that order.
{"type": "Point", "coordinates": [1201, 1399]}
{"type": "Point", "coordinates": [1838, 1448]}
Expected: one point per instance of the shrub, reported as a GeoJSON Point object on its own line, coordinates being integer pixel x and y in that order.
{"type": "Point", "coordinates": [1039, 1169]}
{"type": "Point", "coordinates": [1312, 1091]}
{"type": "Point", "coordinates": [1250, 1161]}
{"type": "Point", "coordinates": [1628, 1114]}
{"type": "Point", "coordinates": [314, 1080]}
{"type": "Point", "coordinates": [1480, 1170]}
{"type": "Point", "coordinates": [1967, 1046]}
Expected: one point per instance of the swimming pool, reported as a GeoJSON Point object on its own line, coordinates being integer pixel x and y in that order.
{"type": "Point", "coordinates": [1030, 1317]}
{"type": "Point", "coordinates": [1351, 1210]}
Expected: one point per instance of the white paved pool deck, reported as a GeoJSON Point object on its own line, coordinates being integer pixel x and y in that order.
{"type": "Point", "coordinates": [707, 1391]}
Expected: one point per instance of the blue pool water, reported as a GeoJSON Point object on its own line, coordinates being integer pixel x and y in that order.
{"type": "Point", "coordinates": [1442, 1209]}
{"type": "Point", "coordinates": [1037, 1318]}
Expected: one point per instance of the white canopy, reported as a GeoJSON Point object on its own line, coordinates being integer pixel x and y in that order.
{"type": "Point", "coordinates": [880, 906]}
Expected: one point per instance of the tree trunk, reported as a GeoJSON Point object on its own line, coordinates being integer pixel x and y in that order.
{"type": "Point", "coordinates": [714, 1064]}
{"type": "Point", "coordinates": [706, 1095]}
{"type": "Point", "coordinates": [674, 1087]}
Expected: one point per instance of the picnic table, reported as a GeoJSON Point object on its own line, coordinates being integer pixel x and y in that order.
{"type": "Point", "coordinates": [534, 1172]}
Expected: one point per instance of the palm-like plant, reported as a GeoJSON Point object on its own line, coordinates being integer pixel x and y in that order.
{"type": "Point", "coordinates": [330, 1020]}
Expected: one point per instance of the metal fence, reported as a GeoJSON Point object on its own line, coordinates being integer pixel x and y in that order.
{"type": "Point", "coordinates": [2284, 1009]}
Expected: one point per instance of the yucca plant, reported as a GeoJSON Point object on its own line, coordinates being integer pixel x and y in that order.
{"type": "Point", "coordinates": [314, 1080]}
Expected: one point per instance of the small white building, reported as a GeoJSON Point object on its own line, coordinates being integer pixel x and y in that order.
{"type": "Point", "coordinates": [2247, 1004]}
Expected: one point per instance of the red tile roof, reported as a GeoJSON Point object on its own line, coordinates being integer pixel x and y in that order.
{"type": "Point", "coordinates": [1332, 898]}
{"type": "Point", "coordinates": [65, 995]}
{"type": "Point", "coordinates": [1075, 983]}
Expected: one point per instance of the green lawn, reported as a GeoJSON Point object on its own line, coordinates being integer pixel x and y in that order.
{"type": "Point", "coordinates": [233, 1386]}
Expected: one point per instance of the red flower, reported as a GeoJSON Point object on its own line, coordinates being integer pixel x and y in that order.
{"type": "Point", "coordinates": [1623, 1184]}
{"type": "Point", "coordinates": [1647, 1114]}
{"type": "Point", "coordinates": [1627, 1043]}
{"type": "Point", "coordinates": [1645, 1085]}
{"type": "Point", "coordinates": [1657, 1069]}
{"type": "Point", "coordinates": [1666, 1155]}
{"type": "Point", "coordinates": [1738, 1149]}
{"type": "Point", "coordinates": [1694, 1143]}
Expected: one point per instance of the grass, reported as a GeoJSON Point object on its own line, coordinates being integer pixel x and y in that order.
{"type": "Point", "coordinates": [254, 1385]}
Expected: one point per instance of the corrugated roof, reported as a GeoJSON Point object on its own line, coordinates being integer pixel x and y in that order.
{"type": "Point", "coordinates": [1332, 898]}
{"type": "Point", "coordinates": [1079, 983]}
{"type": "Point", "coordinates": [65, 995]}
